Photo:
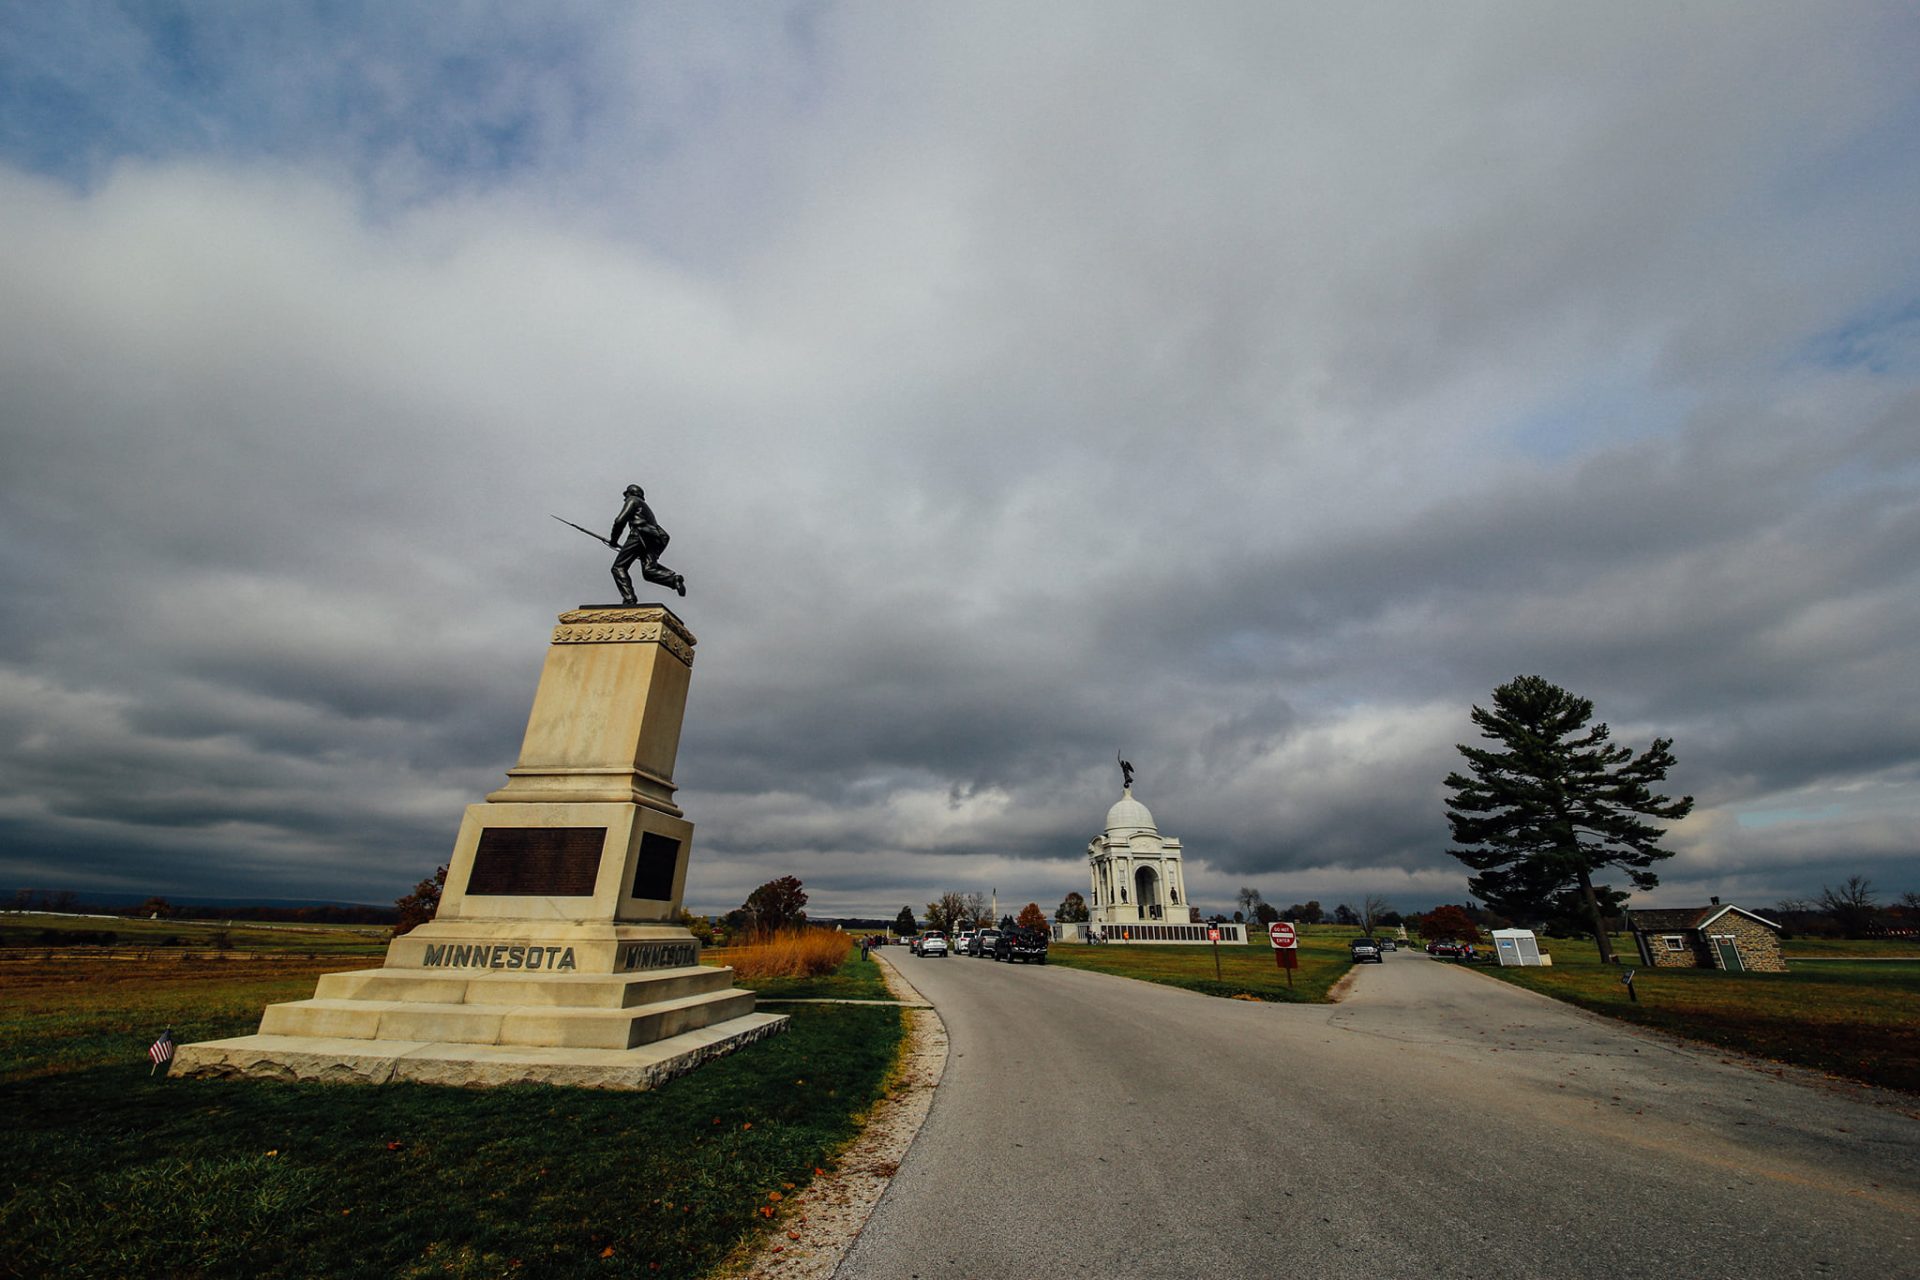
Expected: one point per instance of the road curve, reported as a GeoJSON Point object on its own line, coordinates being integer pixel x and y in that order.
{"type": "Point", "coordinates": [1436, 1123]}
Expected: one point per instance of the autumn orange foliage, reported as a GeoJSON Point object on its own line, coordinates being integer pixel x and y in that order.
{"type": "Point", "coordinates": [790, 953]}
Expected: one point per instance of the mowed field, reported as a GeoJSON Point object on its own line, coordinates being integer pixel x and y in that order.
{"type": "Point", "coordinates": [29, 929]}
{"type": "Point", "coordinates": [1246, 971]}
{"type": "Point", "coordinates": [1851, 1009]}
{"type": "Point", "coordinates": [112, 1171]}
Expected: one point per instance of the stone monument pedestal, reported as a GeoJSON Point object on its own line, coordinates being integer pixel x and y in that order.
{"type": "Point", "coordinates": [556, 956]}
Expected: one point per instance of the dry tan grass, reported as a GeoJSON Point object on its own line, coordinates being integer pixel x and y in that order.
{"type": "Point", "coordinates": [790, 953]}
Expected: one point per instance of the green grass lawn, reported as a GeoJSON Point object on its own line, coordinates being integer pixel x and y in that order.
{"type": "Point", "coordinates": [1245, 971]}
{"type": "Point", "coordinates": [1853, 1017]}
{"type": "Point", "coordinates": [1800, 948]}
{"type": "Point", "coordinates": [114, 1173]}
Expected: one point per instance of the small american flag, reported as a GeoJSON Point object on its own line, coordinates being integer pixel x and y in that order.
{"type": "Point", "coordinates": [162, 1050]}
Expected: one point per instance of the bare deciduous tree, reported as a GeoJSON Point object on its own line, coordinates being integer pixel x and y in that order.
{"type": "Point", "coordinates": [1853, 905]}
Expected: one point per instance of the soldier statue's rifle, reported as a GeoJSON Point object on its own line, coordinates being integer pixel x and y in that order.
{"type": "Point", "coordinates": [608, 542]}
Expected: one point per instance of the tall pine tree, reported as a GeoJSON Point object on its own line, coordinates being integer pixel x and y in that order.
{"type": "Point", "coordinates": [1539, 818]}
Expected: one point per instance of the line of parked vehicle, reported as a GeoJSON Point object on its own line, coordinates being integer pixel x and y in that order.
{"type": "Point", "coordinates": [1029, 946]}
{"type": "Point", "coordinates": [1370, 950]}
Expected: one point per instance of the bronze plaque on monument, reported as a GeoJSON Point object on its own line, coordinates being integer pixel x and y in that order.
{"type": "Point", "coordinates": [537, 862]}
{"type": "Point", "coordinates": [659, 858]}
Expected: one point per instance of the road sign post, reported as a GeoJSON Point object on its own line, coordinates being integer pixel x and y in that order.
{"type": "Point", "coordinates": [1213, 936]}
{"type": "Point", "coordinates": [1286, 945]}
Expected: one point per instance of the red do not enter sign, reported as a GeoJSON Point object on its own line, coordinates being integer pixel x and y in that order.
{"type": "Point", "coordinates": [1281, 934]}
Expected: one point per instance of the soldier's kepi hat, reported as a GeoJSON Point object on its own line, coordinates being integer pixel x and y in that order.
{"type": "Point", "coordinates": [634, 490]}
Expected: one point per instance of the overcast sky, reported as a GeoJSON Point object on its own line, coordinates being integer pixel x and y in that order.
{"type": "Point", "coordinates": [1248, 387]}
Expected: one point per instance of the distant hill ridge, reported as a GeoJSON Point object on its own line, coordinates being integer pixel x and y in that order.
{"type": "Point", "coordinates": [195, 907]}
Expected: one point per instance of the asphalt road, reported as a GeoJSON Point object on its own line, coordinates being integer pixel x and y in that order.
{"type": "Point", "coordinates": [1435, 1123]}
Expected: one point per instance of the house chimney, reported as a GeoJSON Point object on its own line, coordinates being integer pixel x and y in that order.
{"type": "Point", "coordinates": [1716, 902]}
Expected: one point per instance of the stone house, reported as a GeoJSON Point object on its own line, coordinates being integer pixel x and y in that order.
{"type": "Point", "coordinates": [1715, 936]}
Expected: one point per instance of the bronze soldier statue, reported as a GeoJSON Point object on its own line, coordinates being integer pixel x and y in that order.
{"type": "Point", "coordinates": [645, 541]}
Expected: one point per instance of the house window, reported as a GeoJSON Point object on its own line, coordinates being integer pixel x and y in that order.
{"type": "Point", "coordinates": [1674, 942]}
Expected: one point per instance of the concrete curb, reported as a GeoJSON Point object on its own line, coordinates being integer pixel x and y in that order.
{"type": "Point", "coordinates": [895, 1004]}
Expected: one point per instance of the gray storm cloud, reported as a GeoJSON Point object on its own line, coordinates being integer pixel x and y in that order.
{"type": "Point", "coordinates": [1250, 387]}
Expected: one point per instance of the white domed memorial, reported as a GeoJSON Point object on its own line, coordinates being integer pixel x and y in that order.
{"type": "Point", "coordinates": [1139, 880]}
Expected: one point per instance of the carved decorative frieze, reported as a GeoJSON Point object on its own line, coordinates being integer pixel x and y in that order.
{"type": "Point", "coordinates": [644, 625]}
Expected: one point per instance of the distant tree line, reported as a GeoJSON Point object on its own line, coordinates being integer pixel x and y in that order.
{"type": "Point", "coordinates": [1374, 912]}
{"type": "Point", "coordinates": [1852, 909]}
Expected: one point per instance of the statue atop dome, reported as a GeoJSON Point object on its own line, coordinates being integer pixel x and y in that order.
{"type": "Point", "coordinates": [1126, 772]}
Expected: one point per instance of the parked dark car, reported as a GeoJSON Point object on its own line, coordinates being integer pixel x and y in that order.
{"type": "Point", "coordinates": [1365, 950]}
{"type": "Point", "coordinates": [1026, 945]}
{"type": "Point", "coordinates": [1449, 947]}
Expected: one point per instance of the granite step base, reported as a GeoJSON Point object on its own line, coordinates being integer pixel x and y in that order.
{"type": "Point", "coordinates": [349, 1061]}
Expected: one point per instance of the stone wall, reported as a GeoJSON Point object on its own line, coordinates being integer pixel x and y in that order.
{"type": "Point", "coordinates": [1759, 945]}
{"type": "Point", "coordinates": [1691, 955]}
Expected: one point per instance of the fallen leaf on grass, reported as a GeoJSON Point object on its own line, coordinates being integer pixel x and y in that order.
{"type": "Point", "coordinates": [607, 1252]}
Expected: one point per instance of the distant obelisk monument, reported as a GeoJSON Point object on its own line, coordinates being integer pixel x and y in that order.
{"type": "Point", "coordinates": [556, 955]}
